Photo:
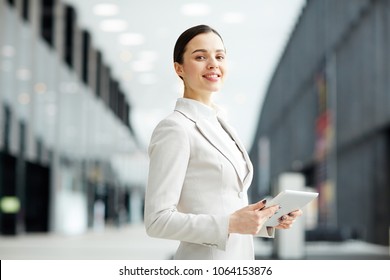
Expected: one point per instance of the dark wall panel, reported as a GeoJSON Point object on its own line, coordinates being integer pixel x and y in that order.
{"type": "Point", "coordinates": [47, 21]}
{"type": "Point", "coordinates": [38, 195]}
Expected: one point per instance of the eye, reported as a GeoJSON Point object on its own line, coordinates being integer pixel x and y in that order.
{"type": "Point", "coordinates": [220, 57]}
{"type": "Point", "coordinates": [200, 57]}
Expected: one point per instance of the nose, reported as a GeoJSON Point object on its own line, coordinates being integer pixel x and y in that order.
{"type": "Point", "coordinates": [213, 64]}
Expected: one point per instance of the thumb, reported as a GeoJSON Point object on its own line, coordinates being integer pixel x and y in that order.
{"type": "Point", "coordinates": [258, 205]}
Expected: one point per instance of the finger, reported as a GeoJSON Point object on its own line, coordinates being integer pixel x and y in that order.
{"type": "Point", "coordinates": [285, 223]}
{"type": "Point", "coordinates": [285, 219]}
{"type": "Point", "coordinates": [258, 205]}
{"type": "Point", "coordinates": [284, 226]}
{"type": "Point", "coordinates": [295, 213]}
{"type": "Point", "coordinates": [270, 211]}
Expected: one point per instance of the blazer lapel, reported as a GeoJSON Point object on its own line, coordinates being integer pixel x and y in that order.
{"type": "Point", "coordinates": [241, 146]}
{"type": "Point", "coordinates": [207, 129]}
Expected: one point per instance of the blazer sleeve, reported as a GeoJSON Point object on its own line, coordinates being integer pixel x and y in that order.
{"type": "Point", "coordinates": [169, 153]}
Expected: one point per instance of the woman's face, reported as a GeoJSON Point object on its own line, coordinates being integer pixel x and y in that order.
{"type": "Point", "coordinates": [203, 68]}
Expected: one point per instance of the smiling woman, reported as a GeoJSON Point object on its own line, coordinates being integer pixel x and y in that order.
{"type": "Point", "coordinates": [204, 70]}
{"type": "Point", "coordinates": [199, 170]}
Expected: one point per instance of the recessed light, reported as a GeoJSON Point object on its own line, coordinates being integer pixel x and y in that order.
{"type": "Point", "coordinates": [8, 51]}
{"type": "Point", "coordinates": [113, 25]}
{"type": "Point", "coordinates": [142, 66]}
{"type": "Point", "coordinates": [127, 75]}
{"type": "Point", "coordinates": [195, 9]}
{"type": "Point", "coordinates": [125, 56]}
{"type": "Point", "coordinates": [105, 9]}
{"type": "Point", "coordinates": [131, 39]}
{"type": "Point", "coordinates": [51, 110]}
{"type": "Point", "coordinates": [24, 98]}
{"type": "Point", "coordinates": [40, 88]}
{"type": "Point", "coordinates": [23, 74]}
{"type": "Point", "coordinates": [148, 55]}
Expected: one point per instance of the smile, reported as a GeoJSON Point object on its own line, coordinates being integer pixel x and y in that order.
{"type": "Point", "coordinates": [212, 77]}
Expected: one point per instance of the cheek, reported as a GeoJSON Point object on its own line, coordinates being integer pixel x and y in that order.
{"type": "Point", "coordinates": [191, 70]}
{"type": "Point", "coordinates": [224, 68]}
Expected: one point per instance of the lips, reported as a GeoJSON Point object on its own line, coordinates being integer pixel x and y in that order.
{"type": "Point", "coordinates": [212, 76]}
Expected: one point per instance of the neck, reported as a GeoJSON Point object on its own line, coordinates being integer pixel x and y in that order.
{"type": "Point", "coordinates": [204, 98]}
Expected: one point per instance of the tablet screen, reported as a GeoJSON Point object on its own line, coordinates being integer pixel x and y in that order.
{"type": "Point", "coordinates": [289, 201]}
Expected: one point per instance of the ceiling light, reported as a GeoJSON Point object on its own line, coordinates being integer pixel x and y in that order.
{"type": "Point", "coordinates": [8, 51]}
{"type": "Point", "coordinates": [51, 110]}
{"type": "Point", "coordinates": [195, 9]}
{"type": "Point", "coordinates": [24, 98]}
{"type": "Point", "coordinates": [233, 18]}
{"type": "Point", "coordinates": [113, 25]}
{"type": "Point", "coordinates": [142, 66]}
{"type": "Point", "coordinates": [23, 74]}
{"type": "Point", "coordinates": [127, 75]}
{"type": "Point", "coordinates": [40, 88]}
{"type": "Point", "coordinates": [131, 39]}
{"type": "Point", "coordinates": [105, 9]}
{"type": "Point", "coordinates": [125, 56]}
{"type": "Point", "coordinates": [148, 55]}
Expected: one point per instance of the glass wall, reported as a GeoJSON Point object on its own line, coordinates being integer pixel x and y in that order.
{"type": "Point", "coordinates": [65, 131]}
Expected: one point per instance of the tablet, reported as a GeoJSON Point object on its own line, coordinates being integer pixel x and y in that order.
{"type": "Point", "coordinates": [289, 201]}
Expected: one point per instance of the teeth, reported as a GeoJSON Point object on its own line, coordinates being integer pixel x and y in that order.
{"type": "Point", "coordinates": [211, 76]}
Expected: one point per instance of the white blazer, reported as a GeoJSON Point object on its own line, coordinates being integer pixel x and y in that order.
{"type": "Point", "coordinates": [193, 186]}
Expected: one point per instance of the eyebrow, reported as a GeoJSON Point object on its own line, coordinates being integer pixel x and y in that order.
{"type": "Point", "coordinates": [204, 50]}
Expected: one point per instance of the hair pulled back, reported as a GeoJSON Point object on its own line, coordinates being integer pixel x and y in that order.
{"type": "Point", "coordinates": [186, 36]}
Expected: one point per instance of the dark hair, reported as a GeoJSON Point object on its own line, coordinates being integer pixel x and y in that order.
{"type": "Point", "coordinates": [186, 36]}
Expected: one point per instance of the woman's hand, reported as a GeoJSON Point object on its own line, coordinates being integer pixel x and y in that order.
{"type": "Point", "coordinates": [286, 221]}
{"type": "Point", "coordinates": [250, 219]}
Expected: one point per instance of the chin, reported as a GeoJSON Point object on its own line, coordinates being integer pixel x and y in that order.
{"type": "Point", "coordinates": [214, 89]}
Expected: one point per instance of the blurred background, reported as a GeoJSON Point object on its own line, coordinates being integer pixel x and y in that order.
{"type": "Point", "coordinates": [83, 84]}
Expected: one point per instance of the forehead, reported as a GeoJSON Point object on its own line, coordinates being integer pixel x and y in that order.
{"type": "Point", "coordinates": [207, 41]}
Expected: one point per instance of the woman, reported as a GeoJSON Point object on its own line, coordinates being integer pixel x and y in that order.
{"type": "Point", "coordinates": [199, 170]}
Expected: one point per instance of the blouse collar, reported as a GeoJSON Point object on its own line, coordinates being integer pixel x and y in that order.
{"type": "Point", "coordinates": [195, 109]}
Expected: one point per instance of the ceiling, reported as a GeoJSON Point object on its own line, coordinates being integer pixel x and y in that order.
{"type": "Point", "coordinates": [137, 39]}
